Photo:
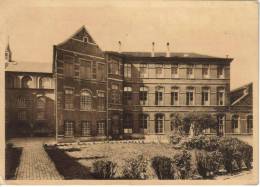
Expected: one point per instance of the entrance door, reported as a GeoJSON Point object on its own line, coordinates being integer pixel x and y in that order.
{"type": "Point", "coordinates": [115, 125]}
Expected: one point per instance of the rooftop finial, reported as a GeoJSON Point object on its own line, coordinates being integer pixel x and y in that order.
{"type": "Point", "coordinates": [119, 46]}
{"type": "Point", "coordinates": [168, 49]}
{"type": "Point", "coordinates": [152, 54]}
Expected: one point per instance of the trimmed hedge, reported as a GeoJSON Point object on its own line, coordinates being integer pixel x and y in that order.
{"type": "Point", "coordinates": [12, 160]}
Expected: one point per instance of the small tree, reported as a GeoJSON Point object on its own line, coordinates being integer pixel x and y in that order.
{"type": "Point", "coordinates": [176, 123]}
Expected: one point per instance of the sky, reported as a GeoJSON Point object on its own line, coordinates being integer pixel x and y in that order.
{"type": "Point", "coordinates": [216, 28]}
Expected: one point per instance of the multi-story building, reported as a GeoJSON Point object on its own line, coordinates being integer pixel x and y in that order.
{"type": "Point", "coordinates": [141, 91]}
{"type": "Point", "coordinates": [29, 97]}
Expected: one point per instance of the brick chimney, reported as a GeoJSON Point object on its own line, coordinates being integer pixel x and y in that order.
{"type": "Point", "coordinates": [119, 46]}
{"type": "Point", "coordinates": [152, 53]}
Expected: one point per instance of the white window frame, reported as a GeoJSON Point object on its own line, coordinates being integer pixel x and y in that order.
{"type": "Point", "coordinates": [189, 91]}
{"type": "Point", "coordinates": [158, 101]}
{"type": "Point", "coordinates": [220, 91]}
{"type": "Point", "coordinates": [203, 101]}
{"type": "Point", "coordinates": [174, 102]}
{"type": "Point", "coordinates": [206, 67]}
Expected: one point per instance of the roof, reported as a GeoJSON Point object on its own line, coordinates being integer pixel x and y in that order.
{"type": "Point", "coordinates": [242, 95]}
{"type": "Point", "coordinates": [32, 67]}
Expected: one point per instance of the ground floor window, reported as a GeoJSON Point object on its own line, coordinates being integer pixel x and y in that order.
{"type": "Point", "coordinates": [40, 115]}
{"type": "Point", "coordinates": [128, 123]}
{"type": "Point", "coordinates": [249, 124]}
{"type": "Point", "coordinates": [101, 128]}
{"type": "Point", "coordinates": [159, 123]}
{"type": "Point", "coordinates": [68, 128]}
{"type": "Point", "coordinates": [221, 124]}
{"type": "Point", "coordinates": [143, 121]}
{"type": "Point", "coordinates": [235, 124]}
{"type": "Point", "coordinates": [85, 128]}
{"type": "Point", "coordinates": [22, 115]}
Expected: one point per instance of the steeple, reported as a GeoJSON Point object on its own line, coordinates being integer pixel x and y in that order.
{"type": "Point", "coordinates": [8, 53]}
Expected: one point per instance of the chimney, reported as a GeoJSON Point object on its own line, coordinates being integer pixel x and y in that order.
{"type": "Point", "coordinates": [119, 46]}
{"type": "Point", "coordinates": [168, 49]}
{"type": "Point", "coordinates": [152, 54]}
{"type": "Point", "coordinates": [227, 56]}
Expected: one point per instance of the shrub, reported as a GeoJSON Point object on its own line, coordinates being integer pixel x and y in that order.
{"type": "Point", "coordinates": [164, 167]}
{"type": "Point", "coordinates": [104, 169]}
{"type": "Point", "coordinates": [208, 163]}
{"type": "Point", "coordinates": [208, 143]}
{"type": "Point", "coordinates": [12, 160]}
{"type": "Point", "coordinates": [183, 163]}
{"type": "Point", "coordinates": [175, 139]}
{"type": "Point", "coordinates": [136, 168]}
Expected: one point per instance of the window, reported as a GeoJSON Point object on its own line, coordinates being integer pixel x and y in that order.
{"type": "Point", "coordinates": [23, 102]}
{"type": "Point", "coordinates": [94, 70]}
{"type": "Point", "coordinates": [159, 92]}
{"type": "Point", "coordinates": [205, 97]}
{"type": "Point", "coordinates": [85, 100]}
{"type": "Point", "coordinates": [221, 124]}
{"type": "Point", "coordinates": [205, 71]}
{"type": "Point", "coordinates": [143, 121]}
{"type": "Point", "coordinates": [190, 71]}
{"type": "Point", "coordinates": [40, 115]}
{"type": "Point", "coordinates": [85, 69]}
{"type": "Point", "coordinates": [113, 67]}
{"type": "Point", "coordinates": [68, 66]}
{"type": "Point", "coordinates": [127, 70]}
{"type": "Point", "coordinates": [143, 95]}
{"type": "Point", "coordinates": [174, 70]}
{"type": "Point", "coordinates": [220, 72]}
{"type": "Point", "coordinates": [115, 95]}
{"type": "Point", "coordinates": [127, 95]}
{"type": "Point", "coordinates": [27, 82]}
{"type": "Point", "coordinates": [85, 39]}
{"type": "Point", "coordinates": [128, 123]}
{"type": "Point", "coordinates": [101, 128]}
{"type": "Point", "coordinates": [250, 124]}
{"type": "Point", "coordinates": [69, 99]}
{"type": "Point", "coordinates": [159, 70]}
{"type": "Point", "coordinates": [115, 87]}
{"type": "Point", "coordinates": [175, 96]}
{"type": "Point", "coordinates": [45, 82]}
{"type": "Point", "coordinates": [68, 128]}
{"type": "Point", "coordinates": [159, 123]}
{"type": "Point", "coordinates": [22, 115]}
{"type": "Point", "coordinates": [190, 96]}
{"type": "Point", "coordinates": [221, 96]}
{"type": "Point", "coordinates": [101, 75]}
{"type": "Point", "coordinates": [143, 71]}
{"type": "Point", "coordinates": [85, 128]}
{"type": "Point", "coordinates": [101, 101]}
{"type": "Point", "coordinates": [235, 124]}
{"type": "Point", "coordinates": [40, 103]}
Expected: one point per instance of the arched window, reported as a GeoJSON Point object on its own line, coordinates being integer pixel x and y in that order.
{"type": "Point", "coordinates": [45, 82]}
{"type": "Point", "coordinates": [159, 123]}
{"type": "Point", "coordinates": [249, 124]}
{"type": "Point", "coordinates": [27, 82]}
{"type": "Point", "coordinates": [41, 103]}
{"type": "Point", "coordinates": [159, 92]}
{"type": "Point", "coordinates": [85, 100]}
{"type": "Point", "coordinates": [235, 124]}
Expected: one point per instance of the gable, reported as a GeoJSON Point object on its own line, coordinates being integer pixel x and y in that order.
{"type": "Point", "coordinates": [81, 34]}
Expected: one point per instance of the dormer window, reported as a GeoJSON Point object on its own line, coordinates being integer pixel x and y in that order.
{"type": "Point", "coordinates": [85, 39]}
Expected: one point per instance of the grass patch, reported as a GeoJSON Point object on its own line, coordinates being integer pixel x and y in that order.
{"type": "Point", "coordinates": [12, 160]}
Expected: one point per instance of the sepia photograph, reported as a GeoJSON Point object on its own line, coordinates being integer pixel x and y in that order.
{"type": "Point", "coordinates": [129, 92]}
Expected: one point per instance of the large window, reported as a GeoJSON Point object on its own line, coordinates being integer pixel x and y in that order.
{"type": "Point", "coordinates": [115, 94]}
{"type": "Point", "coordinates": [127, 70]}
{"type": "Point", "coordinates": [113, 67]}
{"type": "Point", "coordinates": [190, 96]}
{"type": "Point", "coordinates": [127, 95]}
{"type": "Point", "coordinates": [143, 71]}
{"type": "Point", "coordinates": [143, 95]}
{"type": "Point", "coordinates": [159, 123]}
{"type": "Point", "coordinates": [221, 96]}
{"type": "Point", "coordinates": [22, 115]}
{"type": "Point", "coordinates": [249, 124]}
{"type": "Point", "coordinates": [221, 71]}
{"type": "Point", "coordinates": [174, 71]}
{"type": "Point", "coordinates": [68, 66]}
{"type": "Point", "coordinates": [27, 82]}
{"type": "Point", "coordinates": [101, 100]}
{"type": "Point", "coordinates": [205, 71]}
{"type": "Point", "coordinates": [68, 128]}
{"type": "Point", "coordinates": [190, 71]}
{"type": "Point", "coordinates": [85, 69]}
{"type": "Point", "coordinates": [143, 121]}
{"type": "Point", "coordinates": [23, 102]}
{"type": "Point", "coordinates": [69, 99]}
{"type": "Point", "coordinates": [235, 124]}
{"type": "Point", "coordinates": [159, 70]}
{"type": "Point", "coordinates": [85, 100]}
{"type": "Point", "coordinates": [41, 102]}
{"type": "Point", "coordinates": [205, 97]}
{"type": "Point", "coordinates": [159, 93]}
{"type": "Point", "coordinates": [175, 96]}
{"type": "Point", "coordinates": [85, 128]}
{"type": "Point", "coordinates": [101, 75]}
{"type": "Point", "coordinates": [128, 123]}
{"type": "Point", "coordinates": [101, 128]}
{"type": "Point", "coordinates": [45, 82]}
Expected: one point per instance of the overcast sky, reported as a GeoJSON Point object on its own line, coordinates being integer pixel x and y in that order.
{"type": "Point", "coordinates": [215, 28]}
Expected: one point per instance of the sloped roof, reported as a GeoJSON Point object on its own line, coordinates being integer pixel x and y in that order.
{"type": "Point", "coordinates": [32, 67]}
{"type": "Point", "coordinates": [242, 95]}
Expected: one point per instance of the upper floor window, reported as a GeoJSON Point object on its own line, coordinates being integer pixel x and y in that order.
{"type": "Point", "coordinates": [159, 92]}
{"type": "Point", "coordinates": [23, 101]}
{"type": "Point", "coordinates": [143, 121]}
{"type": "Point", "coordinates": [101, 75]}
{"type": "Point", "coordinates": [175, 96]}
{"type": "Point", "coordinates": [101, 101]}
{"type": "Point", "coordinates": [174, 71]}
{"type": "Point", "coordinates": [159, 70]}
{"type": "Point", "coordinates": [221, 96]}
{"type": "Point", "coordinates": [205, 71]}
{"type": "Point", "coordinates": [143, 71]}
{"type": "Point", "coordinates": [41, 103]}
{"type": "Point", "coordinates": [128, 95]}
{"type": "Point", "coordinates": [205, 96]}
{"type": "Point", "coordinates": [127, 70]}
{"type": "Point", "coordinates": [9, 82]}
{"type": "Point", "coordinates": [159, 123]}
{"type": "Point", "coordinates": [190, 96]}
{"type": "Point", "coordinates": [115, 94]}
{"type": "Point", "coordinates": [143, 95]}
{"type": "Point", "coordinates": [45, 82]}
{"type": "Point", "coordinates": [27, 82]}
{"type": "Point", "coordinates": [113, 67]}
{"type": "Point", "coordinates": [190, 71]}
{"type": "Point", "coordinates": [85, 100]}
{"type": "Point", "coordinates": [235, 123]}
{"type": "Point", "coordinates": [85, 69]}
{"type": "Point", "coordinates": [69, 99]}
{"type": "Point", "coordinates": [85, 39]}
{"type": "Point", "coordinates": [221, 71]}
{"type": "Point", "coordinates": [68, 66]}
